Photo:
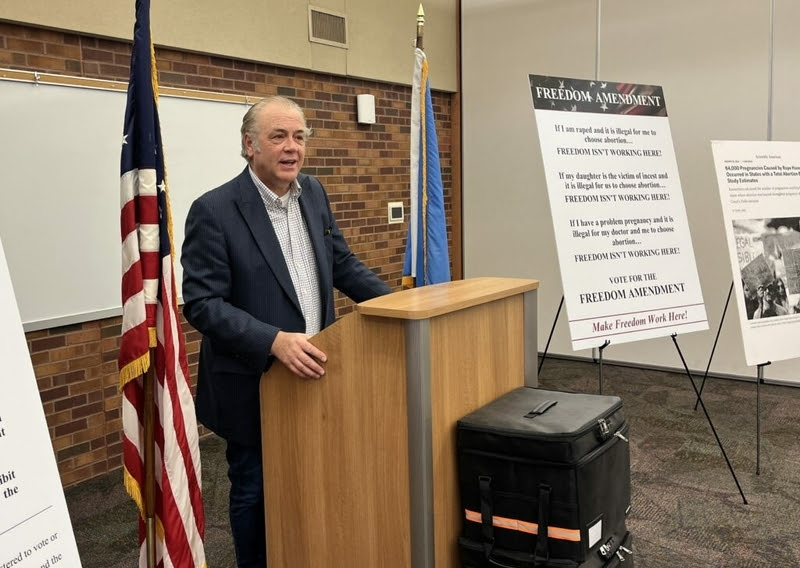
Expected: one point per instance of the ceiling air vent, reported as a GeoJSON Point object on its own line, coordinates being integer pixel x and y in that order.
{"type": "Point", "coordinates": [327, 27]}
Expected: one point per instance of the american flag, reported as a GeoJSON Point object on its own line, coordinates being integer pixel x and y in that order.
{"type": "Point", "coordinates": [150, 319]}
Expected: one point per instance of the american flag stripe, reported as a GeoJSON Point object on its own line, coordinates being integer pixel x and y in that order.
{"type": "Point", "coordinates": [150, 287]}
{"type": "Point", "coordinates": [137, 183]}
{"type": "Point", "coordinates": [147, 295]}
{"type": "Point", "coordinates": [150, 319]}
{"type": "Point", "coordinates": [130, 249]}
{"type": "Point", "coordinates": [132, 401]}
{"type": "Point", "coordinates": [148, 241]}
{"type": "Point", "coordinates": [173, 527]}
{"type": "Point", "coordinates": [182, 458]}
{"type": "Point", "coordinates": [134, 313]}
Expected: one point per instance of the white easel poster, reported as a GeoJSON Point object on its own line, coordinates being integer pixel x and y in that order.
{"type": "Point", "coordinates": [624, 249]}
{"type": "Point", "coordinates": [35, 529]}
{"type": "Point", "coordinates": [759, 185]}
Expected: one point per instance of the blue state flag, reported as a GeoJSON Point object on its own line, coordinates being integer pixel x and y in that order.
{"type": "Point", "coordinates": [427, 260]}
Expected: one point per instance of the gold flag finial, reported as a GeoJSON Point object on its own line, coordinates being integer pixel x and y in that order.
{"type": "Point", "coordinates": [420, 25]}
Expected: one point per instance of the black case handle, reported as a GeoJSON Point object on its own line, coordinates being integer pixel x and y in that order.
{"type": "Point", "coordinates": [541, 409]}
{"type": "Point", "coordinates": [542, 551]}
{"type": "Point", "coordinates": [541, 554]}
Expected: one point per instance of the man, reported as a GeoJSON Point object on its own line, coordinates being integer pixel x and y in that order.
{"type": "Point", "coordinates": [767, 307]}
{"type": "Point", "coordinates": [751, 299]}
{"type": "Point", "coordinates": [261, 256]}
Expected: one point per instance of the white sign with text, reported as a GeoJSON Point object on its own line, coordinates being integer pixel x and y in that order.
{"type": "Point", "coordinates": [625, 252]}
{"type": "Point", "coordinates": [35, 529]}
{"type": "Point", "coordinates": [759, 185]}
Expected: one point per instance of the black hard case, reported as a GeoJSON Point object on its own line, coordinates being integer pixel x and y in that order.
{"type": "Point", "coordinates": [536, 458]}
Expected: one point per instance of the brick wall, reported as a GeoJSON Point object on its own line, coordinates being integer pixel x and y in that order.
{"type": "Point", "coordinates": [362, 166]}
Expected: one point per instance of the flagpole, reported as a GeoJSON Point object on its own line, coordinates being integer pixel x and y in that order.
{"type": "Point", "coordinates": [149, 379]}
{"type": "Point", "coordinates": [420, 26]}
{"type": "Point", "coordinates": [421, 202]}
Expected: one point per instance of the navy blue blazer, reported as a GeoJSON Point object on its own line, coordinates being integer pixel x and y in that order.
{"type": "Point", "coordinates": [238, 293]}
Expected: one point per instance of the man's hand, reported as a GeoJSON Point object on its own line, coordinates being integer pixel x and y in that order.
{"type": "Point", "coordinates": [299, 356]}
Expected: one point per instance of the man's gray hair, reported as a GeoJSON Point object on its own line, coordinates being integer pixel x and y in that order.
{"type": "Point", "coordinates": [251, 125]}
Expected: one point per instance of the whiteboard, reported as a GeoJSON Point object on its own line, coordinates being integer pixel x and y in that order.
{"type": "Point", "coordinates": [60, 196]}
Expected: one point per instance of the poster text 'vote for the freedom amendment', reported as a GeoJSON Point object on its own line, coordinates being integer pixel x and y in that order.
{"type": "Point", "coordinates": [35, 530]}
{"type": "Point", "coordinates": [759, 185]}
{"type": "Point", "coordinates": [624, 248]}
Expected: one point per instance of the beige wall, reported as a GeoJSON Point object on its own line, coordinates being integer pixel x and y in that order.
{"type": "Point", "coordinates": [380, 32]}
{"type": "Point", "coordinates": [712, 59]}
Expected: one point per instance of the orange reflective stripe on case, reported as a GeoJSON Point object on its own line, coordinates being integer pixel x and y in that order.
{"type": "Point", "coordinates": [573, 535]}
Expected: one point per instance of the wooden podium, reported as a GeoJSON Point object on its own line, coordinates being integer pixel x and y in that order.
{"type": "Point", "coordinates": [360, 466]}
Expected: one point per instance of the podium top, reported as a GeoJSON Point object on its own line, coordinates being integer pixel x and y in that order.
{"type": "Point", "coordinates": [440, 299]}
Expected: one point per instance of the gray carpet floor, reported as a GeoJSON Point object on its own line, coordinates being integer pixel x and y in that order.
{"type": "Point", "coordinates": [686, 508]}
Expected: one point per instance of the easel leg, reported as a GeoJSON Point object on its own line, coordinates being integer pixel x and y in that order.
{"type": "Point", "coordinates": [600, 363]}
{"type": "Point", "coordinates": [714, 347]}
{"type": "Point", "coordinates": [549, 337]}
{"type": "Point", "coordinates": [759, 381]}
{"type": "Point", "coordinates": [708, 417]}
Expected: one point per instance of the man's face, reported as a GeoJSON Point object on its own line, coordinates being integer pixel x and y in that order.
{"type": "Point", "coordinates": [277, 153]}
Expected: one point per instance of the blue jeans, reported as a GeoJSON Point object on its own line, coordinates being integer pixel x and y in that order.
{"type": "Point", "coordinates": [247, 505]}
